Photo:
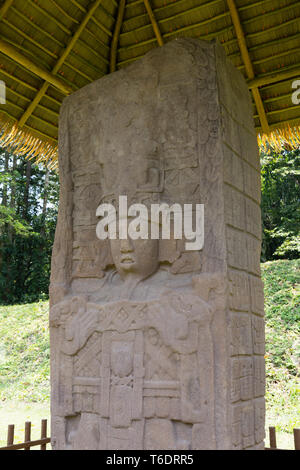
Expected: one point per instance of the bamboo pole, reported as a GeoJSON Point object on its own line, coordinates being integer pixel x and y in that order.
{"type": "Point", "coordinates": [248, 64]}
{"type": "Point", "coordinates": [274, 77]}
{"type": "Point", "coordinates": [60, 62]}
{"type": "Point", "coordinates": [29, 38]}
{"type": "Point", "coordinates": [81, 8]}
{"type": "Point", "coordinates": [51, 18]}
{"type": "Point", "coordinates": [116, 35]}
{"type": "Point", "coordinates": [215, 18]}
{"type": "Point", "coordinates": [63, 12]}
{"type": "Point", "coordinates": [154, 23]}
{"type": "Point", "coordinates": [206, 36]}
{"type": "Point", "coordinates": [53, 38]}
{"type": "Point", "coordinates": [170, 5]}
{"type": "Point", "coordinates": [76, 35]}
{"type": "Point", "coordinates": [261, 110]}
{"type": "Point", "coordinates": [5, 7]}
{"type": "Point", "coordinates": [14, 54]}
{"type": "Point", "coordinates": [281, 110]}
{"type": "Point", "coordinates": [183, 28]}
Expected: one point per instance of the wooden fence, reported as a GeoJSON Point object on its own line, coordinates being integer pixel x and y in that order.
{"type": "Point", "coordinates": [44, 440]}
{"type": "Point", "coordinates": [28, 443]}
{"type": "Point", "coordinates": [273, 443]}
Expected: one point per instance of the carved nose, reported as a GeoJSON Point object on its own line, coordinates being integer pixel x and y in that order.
{"type": "Point", "coordinates": [126, 246]}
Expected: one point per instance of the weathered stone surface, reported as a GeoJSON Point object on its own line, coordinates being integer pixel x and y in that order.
{"type": "Point", "coordinates": [164, 351]}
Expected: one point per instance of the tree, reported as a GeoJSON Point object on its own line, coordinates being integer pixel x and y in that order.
{"type": "Point", "coordinates": [280, 205]}
{"type": "Point", "coordinates": [28, 212]}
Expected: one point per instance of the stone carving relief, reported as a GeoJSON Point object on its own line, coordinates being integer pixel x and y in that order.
{"type": "Point", "coordinates": [136, 365]}
{"type": "Point", "coordinates": [140, 329]}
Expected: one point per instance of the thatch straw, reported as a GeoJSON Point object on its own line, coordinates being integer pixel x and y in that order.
{"type": "Point", "coordinates": [286, 138]}
{"type": "Point", "coordinates": [27, 142]}
{"type": "Point", "coordinates": [79, 38]}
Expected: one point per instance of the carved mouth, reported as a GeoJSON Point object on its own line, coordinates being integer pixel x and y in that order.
{"type": "Point", "coordinates": [127, 260]}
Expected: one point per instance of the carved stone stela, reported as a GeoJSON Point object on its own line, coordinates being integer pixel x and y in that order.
{"type": "Point", "coordinates": [153, 346]}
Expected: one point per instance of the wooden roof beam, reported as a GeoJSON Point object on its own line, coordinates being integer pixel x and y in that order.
{"type": "Point", "coordinates": [154, 23]}
{"type": "Point", "coordinates": [64, 12]}
{"type": "Point", "coordinates": [93, 19]}
{"type": "Point", "coordinates": [5, 7]}
{"type": "Point", "coordinates": [274, 77]}
{"type": "Point", "coordinates": [15, 55]}
{"type": "Point", "coordinates": [60, 61]}
{"type": "Point", "coordinates": [116, 36]}
{"type": "Point", "coordinates": [248, 64]}
{"type": "Point", "coordinates": [59, 43]}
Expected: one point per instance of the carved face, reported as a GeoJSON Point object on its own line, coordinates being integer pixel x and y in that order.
{"type": "Point", "coordinates": [135, 257]}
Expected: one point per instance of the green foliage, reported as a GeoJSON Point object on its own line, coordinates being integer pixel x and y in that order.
{"type": "Point", "coordinates": [24, 353]}
{"type": "Point", "coordinates": [9, 218]}
{"type": "Point", "coordinates": [282, 310]}
{"type": "Point", "coordinates": [281, 205]}
{"type": "Point", "coordinates": [28, 213]}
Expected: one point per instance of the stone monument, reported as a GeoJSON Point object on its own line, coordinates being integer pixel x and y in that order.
{"type": "Point", "coordinates": [154, 346]}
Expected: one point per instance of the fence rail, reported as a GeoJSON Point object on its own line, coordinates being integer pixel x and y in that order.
{"type": "Point", "coordinates": [28, 443]}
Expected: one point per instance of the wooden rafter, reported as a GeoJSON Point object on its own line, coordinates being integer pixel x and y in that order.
{"type": "Point", "coordinates": [248, 64]}
{"type": "Point", "coordinates": [154, 23]}
{"type": "Point", "coordinates": [59, 43]}
{"type": "Point", "coordinates": [274, 77]}
{"type": "Point", "coordinates": [5, 7]}
{"type": "Point", "coordinates": [116, 35]}
{"type": "Point", "coordinates": [60, 62]}
{"type": "Point", "coordinates": [93, 19]}
{"type": "Point", "coordinates": [14, 54]}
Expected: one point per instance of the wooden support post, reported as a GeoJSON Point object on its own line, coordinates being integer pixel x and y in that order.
{"type": "Point", "coordinates": [248, 64]}
{"type": "Point", "coordinates": [27, 434]}
{"type": "Point", "coordinates": [261, 110]}
{"type": "Point", "coordinates": [116, 35]}
{"type": "Point", "coordinates": [10, 434]}
{"type": "Point", "coordinates": [154, 23]}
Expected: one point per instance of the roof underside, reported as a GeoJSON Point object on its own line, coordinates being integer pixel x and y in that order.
{"type": "Point", "coordinates": [49, 48]}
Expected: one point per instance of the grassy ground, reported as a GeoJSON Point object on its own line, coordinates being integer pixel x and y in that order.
{"type": "Point", "coordinates": [24, 357]}
{"type": "Point", "coordinates": [15, 412]}
{"type": "Point", "coordinates": [24, 368]}
{"type": "Point", "coordinates": [282, 308]}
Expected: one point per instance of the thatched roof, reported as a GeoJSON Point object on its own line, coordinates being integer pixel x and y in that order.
{"type": "Point", "coordinates": [49, 48]}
